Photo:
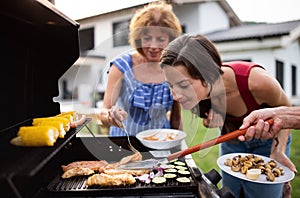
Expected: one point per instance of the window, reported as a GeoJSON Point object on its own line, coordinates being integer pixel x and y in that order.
{"type": "Point", "coordinates": [294, 80]}
{"type": "Point", "coordinates": [120, 33]}
{"type": "Point", "coordinates": [86, 39]}
{"type": "Point", "coordinates": [183, 29]}
{"type": "Point", "coordinates": [280, 72]}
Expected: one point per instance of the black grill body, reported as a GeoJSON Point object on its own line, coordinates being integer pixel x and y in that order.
{"type": "Point", "coordinates": [39, 44]}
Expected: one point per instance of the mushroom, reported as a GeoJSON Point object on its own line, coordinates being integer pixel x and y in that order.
{"type": "Point", "coordinates": [258, 159]}
{"type": "Point", "coordinates": [248, 164]}
{"type": "Point", "coordinates": [228, 162]}
{"type": "Point", "coordinates": [268, 166]}
{"type": "Point", "coordinates": [276, 172]}
{"type": "Point", "coordinates": [272, 163]}
{"type": "Point", "coordinates": [244, 169]}
{"type": "Point", "coordinates": [236, 168]}
{"type": "Point", "coordinates": [270, 176]}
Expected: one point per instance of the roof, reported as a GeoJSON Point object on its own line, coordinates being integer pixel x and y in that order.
{"type": "Point", "coordinates": [233, 18]}
{"type": "Point", "coordinates": [253, 31]}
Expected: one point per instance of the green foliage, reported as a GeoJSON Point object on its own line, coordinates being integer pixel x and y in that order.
{"type": "Point", "coordinates": [295, 157]}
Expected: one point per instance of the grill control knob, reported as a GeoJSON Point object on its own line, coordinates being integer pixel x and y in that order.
{"type": "Point", "coordinates": [213, 176]}
{"type": "Point", "coordinates": [225, 192]}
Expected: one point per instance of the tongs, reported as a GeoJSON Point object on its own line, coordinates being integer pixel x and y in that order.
{"type": "Point", "coordinates": [152, 163]}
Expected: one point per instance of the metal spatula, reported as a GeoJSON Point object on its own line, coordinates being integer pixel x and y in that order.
{"type": "Point", "coordinates": [152, 163]}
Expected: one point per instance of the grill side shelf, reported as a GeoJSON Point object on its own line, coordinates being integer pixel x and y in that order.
{"type": "Point", "coordinates": [57, 147]}
{"type": "Point", "coordinates": [27, 161]}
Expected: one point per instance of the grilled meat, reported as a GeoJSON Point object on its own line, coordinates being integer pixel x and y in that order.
{"type": "Point", "coordinates": [98, 166]}
{"type": "Point", "coordinates": [78, 171]}
{"type": "Point", "coordinates": [110, 180]}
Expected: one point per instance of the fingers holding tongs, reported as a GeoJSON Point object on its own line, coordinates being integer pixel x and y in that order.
{"type": "Point", "coordinates": [118, 115]}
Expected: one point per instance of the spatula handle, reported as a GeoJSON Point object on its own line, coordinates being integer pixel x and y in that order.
{"type": "Point", "coordinates": [212, 142]}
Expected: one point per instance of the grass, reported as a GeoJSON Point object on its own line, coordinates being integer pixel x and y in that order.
{"type": "Point", "coordinates": [206, 159]}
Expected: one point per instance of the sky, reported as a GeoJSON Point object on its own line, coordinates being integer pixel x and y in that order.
{"type": "Point", "coordinates": [271, 11]}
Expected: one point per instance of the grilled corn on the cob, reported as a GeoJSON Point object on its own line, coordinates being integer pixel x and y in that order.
{"type": "Point", "coordinates": [71, 115]}
{"type": "Point", "coordinates": [68, 116]}
{"type": "Point", "coordinates": [64, 121]}
{"type": "Point", "coordinates": [57, 124]}
{"type": "Point", "coordinates": [35, 136]}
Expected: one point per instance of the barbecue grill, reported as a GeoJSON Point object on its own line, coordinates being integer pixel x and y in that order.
{"type": "Point", "coordinates": [39, 44]}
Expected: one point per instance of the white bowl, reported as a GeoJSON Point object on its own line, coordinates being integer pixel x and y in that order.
{"type": "Point", "coordinates": [161, 138]}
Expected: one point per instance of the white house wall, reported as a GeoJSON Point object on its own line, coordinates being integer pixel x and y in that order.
{"type": "Point", "coordinates": [188, 16]}
{"type": "Point", "coordinates": [266, 57]}
{"type": "Point", "coordinates": [200, 18]}
{"type": "Point", "coordinates": [212, 18]}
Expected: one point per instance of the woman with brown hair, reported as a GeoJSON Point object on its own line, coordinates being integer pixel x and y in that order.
{"type": "Point", "coordinates": [135, 80]}
{"type": "Point", "coordinates": [223, 93]}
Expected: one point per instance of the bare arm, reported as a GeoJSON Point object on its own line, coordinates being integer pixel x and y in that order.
{"type": "Point", "coordinates": [266, 89]}
{"type": "Point", "coordinates": [284, 118]}
{"type": "Point", "coordinates": [109, 115]}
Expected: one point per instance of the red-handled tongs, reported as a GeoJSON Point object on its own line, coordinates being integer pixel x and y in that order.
{"type": "Point", "coordinates": [151, 163]}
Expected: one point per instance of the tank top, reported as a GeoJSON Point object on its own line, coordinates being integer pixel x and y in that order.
{"type": "Point", "coordinates": [242, 71]}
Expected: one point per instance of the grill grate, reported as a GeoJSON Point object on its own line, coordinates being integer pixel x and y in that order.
{"type": "Point", "coordinates": [77, 184]}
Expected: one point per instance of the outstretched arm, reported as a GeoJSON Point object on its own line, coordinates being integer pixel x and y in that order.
{"type": "Point", "coordinates": [267, 90]}
{"type": "Point", "coordinates": [284, 118]}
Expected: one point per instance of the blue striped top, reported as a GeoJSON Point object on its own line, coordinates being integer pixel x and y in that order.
{"type": "Point", "coordinates": [146, 104]}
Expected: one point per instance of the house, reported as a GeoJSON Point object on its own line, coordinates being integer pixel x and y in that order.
{"type": "Point", "coordinates": [275, 46]}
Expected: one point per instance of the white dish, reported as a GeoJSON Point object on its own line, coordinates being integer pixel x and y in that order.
{"type": "Point", "coordinates": [288, 175]}
{"type": "Point", "coordinates": [161, 138]}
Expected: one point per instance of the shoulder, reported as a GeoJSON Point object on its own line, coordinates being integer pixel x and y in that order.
{"type": "Point", "coordinates": [265, 88]}
{"type": "Point", "coordinates": [259, 79]}
{"type": "Point", "coordinates": [123, 59]}
{"type": "Point", "coordinates": [123, 62]}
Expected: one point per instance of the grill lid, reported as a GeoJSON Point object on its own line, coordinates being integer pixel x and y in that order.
{"type": "Point", "coordinates": [38, 45]}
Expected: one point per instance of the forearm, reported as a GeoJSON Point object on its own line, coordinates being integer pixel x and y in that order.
{"type": "Point", "coordinates": [290, 117]}
{"type": "Point", "coordinates": [280, 141]}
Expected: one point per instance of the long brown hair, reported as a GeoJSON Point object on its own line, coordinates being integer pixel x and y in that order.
{"type": "Point", "coordinates": [197, 54]}
{"type": "Point", "coordinates": [200, 58]}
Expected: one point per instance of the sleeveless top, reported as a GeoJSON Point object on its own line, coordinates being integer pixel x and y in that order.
{"type": "Point", "coordinates": [242, 71]}
{"type": "Point", "coordinates": [146, 104]}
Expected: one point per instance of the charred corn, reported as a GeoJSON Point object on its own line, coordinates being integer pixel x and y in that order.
{"type": "Point", "coordinates": [64, 121]}
{"type": "Point", "coordinates": [37, 135]}
{"type": "Point", "coordinates": [57, 124]}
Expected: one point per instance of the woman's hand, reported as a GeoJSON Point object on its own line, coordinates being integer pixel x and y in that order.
{"type": "Point", "coordinates": [113, 116]}
{"type": "Point", "coordinates": [118, 115]}
{"type": "Point", "coordinates": [283, 159]}
{"type": "Point", "coordinates": [262, 130]}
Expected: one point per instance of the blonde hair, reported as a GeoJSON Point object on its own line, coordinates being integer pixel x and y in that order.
{"type": "Point", "coordinates": [155, 14]}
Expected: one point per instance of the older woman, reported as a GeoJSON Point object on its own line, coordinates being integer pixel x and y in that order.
{"type": "Point", "coordinates": [135, 80]}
